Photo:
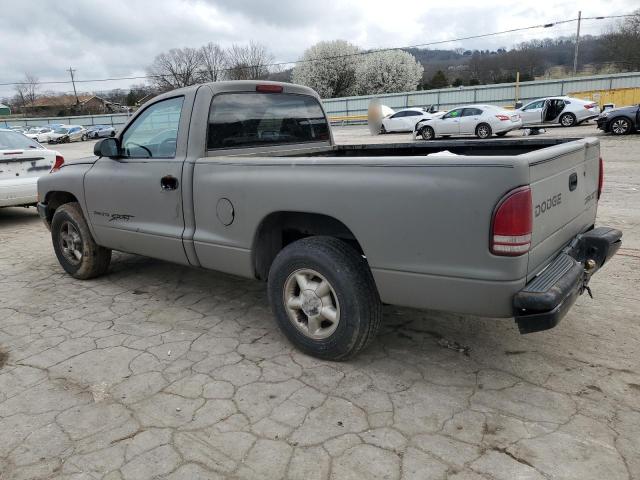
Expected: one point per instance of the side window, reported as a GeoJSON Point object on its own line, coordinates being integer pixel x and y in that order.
{"type": "Point", "coordinates": [452, 114]}
{"type": "Point", "coordinates": [399, 115]}
{"type": "Point", "coordinates": [238, 120]}
{"type": "Point", "coordinates": [154, 134]}
{"type": "Point", "coordinates": [534, 105]}
{"type": "Point", "coordinates": [471, 112]}
{"type": "Point", "coordinates": [413, 114]}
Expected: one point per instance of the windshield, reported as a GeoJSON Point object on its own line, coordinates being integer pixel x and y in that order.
{"type": "Point", "coordinates": [13, 140]}
{"type": "Point", "coordinates": [61, 130]}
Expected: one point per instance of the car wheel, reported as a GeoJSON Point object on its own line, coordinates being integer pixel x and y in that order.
{"type": "Point", "coordinates": [620, 126]}
{"type": "Point", "coordinates": [324, 298]}
{"type": "Point", "coordinates": [77, 251]}
{"type": "Point", "coordinates": [568, 119]}
{"type": "Point", "coordinates": [427, 133]}
{"type": "Point", "coordinates": [84, 138]}
{"type": "Point", "coordinates": [483, 130]}
{"type": "Point", "coordinates": [501, 134]}
{"type": "Point", "coordinates": [383, 130]}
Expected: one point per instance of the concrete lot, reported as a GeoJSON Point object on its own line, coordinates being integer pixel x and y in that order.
{"type": "Point", "coordinates": [163, 371]}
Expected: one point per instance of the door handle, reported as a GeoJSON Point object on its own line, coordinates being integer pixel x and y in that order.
{"type": "Point", "coordinates": [169, 182]}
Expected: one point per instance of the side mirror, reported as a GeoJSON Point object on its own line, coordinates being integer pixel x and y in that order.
{"type": "Point", "coordinates": [107, 147]}
{"type": "Point", "coordinates": [518, 105]}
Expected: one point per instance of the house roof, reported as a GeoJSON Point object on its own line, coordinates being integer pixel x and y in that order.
{"type": "Point", "coordinates": [63, 101]}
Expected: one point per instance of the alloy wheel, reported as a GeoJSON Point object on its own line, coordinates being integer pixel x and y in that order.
{"type": "Point", "coordinates": [311, 303]}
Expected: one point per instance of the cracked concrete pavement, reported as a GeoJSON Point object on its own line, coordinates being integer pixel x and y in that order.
{"type": "Point", "coordinates": [160, 371]}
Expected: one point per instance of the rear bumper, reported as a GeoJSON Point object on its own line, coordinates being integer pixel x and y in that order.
{"type": "Point", "coordinates": [548, 297]}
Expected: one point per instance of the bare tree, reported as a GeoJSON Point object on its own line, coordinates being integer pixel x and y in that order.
{"type": "Point", "coordinates": [214, 62]}
{"type": "Point", "coordinates": [27, 90]}
{"type": "Point", "coordinates": [179, 67]}
{"type": "Point", "coordinates": [622, 43]}
{"type": "Point", "coordinates": [248, 62]}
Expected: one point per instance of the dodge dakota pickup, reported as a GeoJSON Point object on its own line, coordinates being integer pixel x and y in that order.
{"type": "Point", "coordinates": [244, 178]}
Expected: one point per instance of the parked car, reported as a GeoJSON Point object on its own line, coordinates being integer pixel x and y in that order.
{"type": "Point", "coordinates": [620, 121]}
{"type": "Point", "coordinates": [566, 111]}
{"type": "Point", "coordinates": [483, 121]}
{"type": "Point", "coordinates": [39, 134]}
{"type": "Point", "coordinates": [22, 162]}
{"type": "Point", "coordinates": [66, 134]}
{"type": "Point", "coordinates": [404, 120]}
{"type": "Point", "coordinates": [501, 228]}
{"type": "Point", "coordinates": [99, 131]}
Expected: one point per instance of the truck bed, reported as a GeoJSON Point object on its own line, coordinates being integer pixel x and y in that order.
{"type": "Point", "coordinates": [466, 147]}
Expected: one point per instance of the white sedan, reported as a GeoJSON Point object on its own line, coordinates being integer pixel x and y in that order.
{"type": "Point", "coordinates": [565, 111]}
{"type": "Point", "coordinates": [483, 121]}
{"type": "Point", "coordinates": [39, 134]}
{"type": "Point", "coordinates": [404, 120]}
{"type": "Point", "coordinates": [22, 162]}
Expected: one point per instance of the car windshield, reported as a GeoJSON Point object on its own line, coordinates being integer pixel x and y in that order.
{"type": "Point", "coordinates": [13, 140]}
{"type": "Point", "coordinates": [61, 130]}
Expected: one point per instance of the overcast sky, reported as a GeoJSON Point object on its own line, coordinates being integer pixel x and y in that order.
{"type": "Point", "coordinates": [113, 38]}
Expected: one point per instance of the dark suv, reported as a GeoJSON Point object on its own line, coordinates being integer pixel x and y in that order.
{"type": "Point", "coordinates": [620, 121]}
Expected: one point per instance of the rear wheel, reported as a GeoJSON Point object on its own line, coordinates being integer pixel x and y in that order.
{"type": "Point", "coordinates": [75, 248]}
{"type": "Point", "coordinates": [324, 297]}
{"type": "Point", "coordinates": [568, 119]}
{"type": "Point", "coordinates": [427, 133]}
{"type": "Point", "coordinates": [483, 130]}
{"type": "Point", "coordinates": [620, 126]}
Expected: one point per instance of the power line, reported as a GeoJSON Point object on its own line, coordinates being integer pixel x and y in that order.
{"type": "Point", "coordinates": [334, 57]}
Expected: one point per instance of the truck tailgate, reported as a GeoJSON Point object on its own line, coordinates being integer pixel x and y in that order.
{"type": "Point", "coordinates": [564, 187]}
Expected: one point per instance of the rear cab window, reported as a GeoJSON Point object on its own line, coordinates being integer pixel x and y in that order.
{"type": "Point", "coordinates": [248, 119]}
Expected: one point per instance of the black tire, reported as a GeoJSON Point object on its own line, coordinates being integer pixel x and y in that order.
{"type": "Point", "coordinates": [84, 138]}
{"type": "Point", "coordinates": [501, 134]}
{"type": "Point", "coordinates": [94, 259]}
{"type": "Point", "coordinates": [620, 126]}
{"type": "Point", "coordinates": [427, 133]}
{"type": "Point", "coordinates": [382, 130]}
{"type": "Point", "coordinates": [359, 307]}
{"type": "Point", "coordinates": [483, 131]}
{"type": "Point", "coordinates": [568, 120]}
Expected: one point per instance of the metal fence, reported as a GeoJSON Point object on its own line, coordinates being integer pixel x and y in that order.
{"type": "Point", "coordinates": [500, 94]}
{"type": "Point", "coordinates": [114, 119]}
{"type": "Point", "coordinates": [445, 98]}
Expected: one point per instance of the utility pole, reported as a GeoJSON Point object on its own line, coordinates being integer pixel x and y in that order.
{"type": "Point", "coordinates": [71, 71]}
{"type": "Point", "coordinates": [575, 53]}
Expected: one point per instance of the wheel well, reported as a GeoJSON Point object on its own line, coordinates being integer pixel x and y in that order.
{"type": "Point", "coordinates": [279, 229]}
{"type": "Point", "coordinates": [55, 200]}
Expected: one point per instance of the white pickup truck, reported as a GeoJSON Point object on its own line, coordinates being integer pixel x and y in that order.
{"type": "Point", "coordinates": [244, 178]}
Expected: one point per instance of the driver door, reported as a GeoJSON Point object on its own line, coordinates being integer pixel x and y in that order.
{"type": "Point", "coordinates": [134, 201]}
{"type": "Point", "coordinates": [532, 114]}
{"type": "Point", "coordinates": [449, 124]}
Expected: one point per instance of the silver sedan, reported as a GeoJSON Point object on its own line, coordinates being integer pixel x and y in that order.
{"type": "Point", "coordinates": [565, 111]}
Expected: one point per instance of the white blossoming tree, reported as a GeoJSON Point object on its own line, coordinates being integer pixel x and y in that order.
{"type": "Point", "coordinates": [329, 68]}
{"type": "Point", "coordinates": [387, 72]}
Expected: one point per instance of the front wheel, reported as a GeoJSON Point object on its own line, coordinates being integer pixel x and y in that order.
{"type": "Point", "coordinates": [75, 248]}
{"type": "Point", "coordinates": [427, 133]}
{"type": "Point", "coordinates": [383, 130]}
{"type": "Point", "coordinates": [324, 298]}
{"type": "Point", "coordinates": [620, 126]}
{"type": "Point", "coordinates": [483, 130]}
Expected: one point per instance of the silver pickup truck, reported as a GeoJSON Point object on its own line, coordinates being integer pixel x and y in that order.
{"type": "Point", "coordinates": [244, 178]}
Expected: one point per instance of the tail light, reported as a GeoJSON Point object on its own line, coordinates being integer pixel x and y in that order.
{"type": "Point", "coordinates": [600, 178]}
{"type": "Point", "coordinates": [269, 88]}
{"type": "Point", "coordinates": [503, 118]}
{"type": "Point", "coordinates": [589, 106]}
{"type": "Point", "coordinates": [512, 223]}
{"type": "Point", "coordinates": [58, 163]}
